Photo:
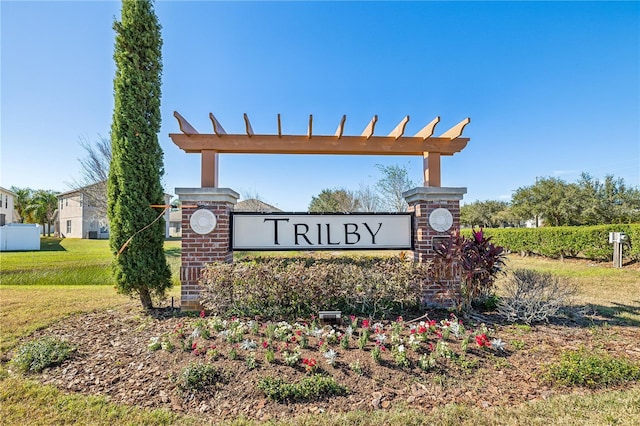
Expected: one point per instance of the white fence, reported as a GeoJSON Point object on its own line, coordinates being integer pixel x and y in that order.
{"type": "Point", "coordinates": [19, 237]}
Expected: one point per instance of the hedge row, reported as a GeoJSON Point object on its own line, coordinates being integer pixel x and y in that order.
{"type": "Point", "coordinates": [590, 242]}
{"type": "Point", "coordinates": [299, 287]}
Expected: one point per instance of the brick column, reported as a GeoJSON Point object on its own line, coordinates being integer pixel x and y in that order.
{"type": "Point", "coordinates": [200, 249]}
{"type": "Point", "coordinates": [423, 201]}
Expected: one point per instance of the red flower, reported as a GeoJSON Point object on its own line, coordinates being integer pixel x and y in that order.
{"type": "Point", "coordinates": [265, 344]}
{"type": "Point", "coordinates": [309, 363]}
{"type": "Point", "coordinates": [399, 319]}
{"type": "Point", "coordinates": [352, 317]}
{"type": "Point", "coordinates": [365, 323]}
{"type": "Point", "coordinates": [202, 313]}
{"type": "Point", "coordinates": [194, 345]}
{"type": "Point", "coordinates": [293, 339]}
{"type": "Point", "coordinates": [483, 340]}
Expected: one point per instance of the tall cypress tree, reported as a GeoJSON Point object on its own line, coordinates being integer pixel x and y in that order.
{"type": "Point", "coordinates": [136, 166]}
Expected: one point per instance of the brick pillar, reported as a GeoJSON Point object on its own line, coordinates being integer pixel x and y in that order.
{"type": "Point", "coordinates": [442, 206]}
{"type": "Point", "coordinates": [200, 244]}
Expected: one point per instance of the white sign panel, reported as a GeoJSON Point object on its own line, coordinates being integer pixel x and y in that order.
{"type": "Point", "coordinates": [297, 231]}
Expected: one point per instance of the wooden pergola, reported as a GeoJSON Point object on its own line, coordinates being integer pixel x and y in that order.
{"type": "Point", "coordinates": [395, 143]}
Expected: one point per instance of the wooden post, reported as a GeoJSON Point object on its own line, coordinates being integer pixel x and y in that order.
{"type": "Point", "coordinates": [209, 168]}
{"type": "Point", "coordinates": [431, 168]}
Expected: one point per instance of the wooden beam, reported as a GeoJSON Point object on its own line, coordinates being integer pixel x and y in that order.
{"type": "Point", "coordinates": [427, 131]}
{"type": "Point", "coordinates": [456, 131]}
{"type": "Point", "coordinates": [340, 128]}
{"type": "Point", "coordinates": [368, 131]}
{"type": "Point", "coordinates": [185, 127]}
{"type": "Point", "coordinates": [209, 169]}
{"type": "Point", "coordinates": [247, 125]}
{"type": "Point", "coordinates": [217, 127]}
{"type": "Point", "coordinates": [399, 130]}
{"type": "Point", "coordinates": [299, 144]}
{"type": "Point", "coordinates": [310, 131]}
{"type": "Point", "coordinates": [431, 168]}
{"type": "Point", "coordinates": [279, 127]}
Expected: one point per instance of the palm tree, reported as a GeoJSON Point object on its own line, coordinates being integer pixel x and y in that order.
{"type": "Point", "coordinates": [43, 206]}
{"type": "Point", "coordinates": [21, 201]}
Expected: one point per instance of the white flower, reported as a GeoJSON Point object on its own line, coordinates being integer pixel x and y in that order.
{"type": "Point", "coordinates": [196, 333]}
{"type": "Point", "coordinates": [331, 356]}
{"type": "Point", "coordinates": [497, 344]}
{"type": "Point", "coordinates": [381, 338]}
{"type": "Point", "coordinates": [348, 331]}
{"type": "Point", "coordinates": [401, 348]}
{"type": "Point", "coordinates": [248, 345]}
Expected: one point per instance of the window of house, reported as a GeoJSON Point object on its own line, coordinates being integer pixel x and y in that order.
{"type": "Point", "coordinates": [68, 226]}
{"type": "Point", "coordinates": [66, 202]}
{"type": "Point", "coordinates": [6, 201]}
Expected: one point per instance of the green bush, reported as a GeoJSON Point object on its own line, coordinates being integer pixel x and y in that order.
{"type": "Point", "coordinates": [198, 377]}
{"type": "Point", "coordinates": [280, 288]}
{"type": "Point", "coordinates": [589, 242]}
{"type": "Point", "coordinates": [309, 388]}
{"type": "Point", "coordinates": [592, 370]}
{"type": "Point", "coordinates": [39, 354]}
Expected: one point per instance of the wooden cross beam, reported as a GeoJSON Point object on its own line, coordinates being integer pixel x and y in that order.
{"type": "Point", "coordinates": [396, 143]}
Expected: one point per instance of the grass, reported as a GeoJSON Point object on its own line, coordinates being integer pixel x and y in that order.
{"type": "Point", "coordinates": [69, 262]}
{"type": "Point", "coordinates": [33, 301]}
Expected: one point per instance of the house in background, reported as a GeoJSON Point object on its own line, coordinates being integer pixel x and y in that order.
{"type": "Point", "coordinates": [7, 207]}
{"type": "Point", "coordinates": [82, 213]}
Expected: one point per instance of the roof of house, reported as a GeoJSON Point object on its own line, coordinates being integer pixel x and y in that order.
{"type": "Point", "coordinates": [253, 205]}
{"type": "Point", "coordinates": [7, 191]}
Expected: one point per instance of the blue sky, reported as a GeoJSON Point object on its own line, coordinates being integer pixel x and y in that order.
{"type": "Point", "coordinates": [552, 89]}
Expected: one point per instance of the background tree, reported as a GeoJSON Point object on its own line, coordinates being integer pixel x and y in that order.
{"type": "Point", "coordinates": [368, 199]}
{"type": "Point", "coordinates": [94, 171]}
{"type": "Point", "coordinates": [334, 201]}
{"type": "Point", "coordinates": [486, 214]}
{"type": "Point", "coordinates": [394, 181]}
{"type": "Point", "coordinates": [136, 165]}
{"type": "Point", "coordinates": [42, 208]}
{"type": "Point", "coordinates": [550, 198]}
{"type": "Point", "coordinates": [21, 202]}
{"type": "Point", "coordinates": [607, 202]}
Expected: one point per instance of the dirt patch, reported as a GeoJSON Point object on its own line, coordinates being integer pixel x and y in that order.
{"type": "Point", "coordinates": [113, 359]}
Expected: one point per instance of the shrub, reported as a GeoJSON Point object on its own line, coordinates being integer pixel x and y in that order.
{"type": "Point", "coordinates": [277, 288]}
{"type": "Point", "coordinates": [582, 368]}
{"type": "Point", "coordinates": [309, 388]}
{"type": "Point", "coordinates": [479, 260]}
{"type": "Point", "coordinates": [39, 354]}
{"type": "Point", "coordinates": [590, 242]}
{"type": "Point", "coordinates": [198, 377]}
{"type": "Point", "coordinates": [531, 296]}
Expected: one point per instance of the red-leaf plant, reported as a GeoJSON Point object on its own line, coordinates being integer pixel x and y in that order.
{"type": "Point", "coordinates": [478, 258]}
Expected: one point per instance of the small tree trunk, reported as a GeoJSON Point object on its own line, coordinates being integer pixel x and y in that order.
{"type": "Point", "coordinates": [145, 298]}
